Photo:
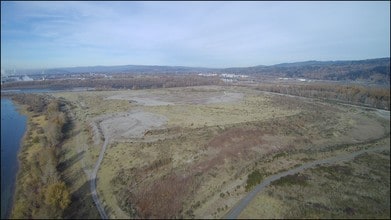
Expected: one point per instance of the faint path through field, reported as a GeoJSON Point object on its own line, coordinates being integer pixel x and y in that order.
{"type": "Point", "coordinates": [98, 204]}
{"type": "Point", "coordinates": [238, 208]}
{"type": "Point", "coordinates": [132, 124]}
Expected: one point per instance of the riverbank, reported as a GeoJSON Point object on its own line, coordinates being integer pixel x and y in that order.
{"type": "Point", "coordinates": [39, 189]}
{"type": "Point", "coordinates": [24, 149]}
{"type": "Point", "coordinates": [13, 127]}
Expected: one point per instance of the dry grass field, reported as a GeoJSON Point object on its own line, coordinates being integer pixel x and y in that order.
{"type": "Point", "coordinates": [359, 188]}
{"type": "Point", "coordinates": [187, 152]}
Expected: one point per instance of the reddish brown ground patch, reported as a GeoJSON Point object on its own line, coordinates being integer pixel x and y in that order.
{"type": "Point", "coordinates": [237, 141]}
{"type": "Point", "coordinates": [164, 197]}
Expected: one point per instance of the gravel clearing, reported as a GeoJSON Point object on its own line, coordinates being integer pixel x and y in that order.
{"type": "Point", "coordinates": [132, 124]}
{"type": "Point", "coordinates": [159, 99]}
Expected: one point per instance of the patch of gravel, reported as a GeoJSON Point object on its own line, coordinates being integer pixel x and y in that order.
{"type": "Point", "coordinates": [383, 113]}
{"type": "Point", "coordinates": [132, 124]}
{"type": "Point", "coordinates": [146, 101]}
{"type": "Point", "coordinates": [150, 102]}
{"type": "Point", "coordinates": [226, 97]}
{"type": "Point", "coordinates": [149, 99]}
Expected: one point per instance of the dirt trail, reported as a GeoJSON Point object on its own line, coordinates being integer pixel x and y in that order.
{"type": "Point", "coordinates": [98, 204]}
{"type": "Point", "coordinates": [131, 124]}
{"type": "Point", "coordinates": [175, 98]}
{"type": "Point", "coordinates": [238, 208]}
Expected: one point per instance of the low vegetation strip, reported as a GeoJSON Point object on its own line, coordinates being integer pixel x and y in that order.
{"type": "Point", "coordinates": [238, 208]}
{"type": "Point", "coordinates": [40, 190]}
{"type": "Point", "coordinates": [254, 179]}
{"type": "Point", "coordinates": [376, 97]}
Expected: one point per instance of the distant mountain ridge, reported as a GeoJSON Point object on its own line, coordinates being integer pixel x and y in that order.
{"type": "Point", "coordinates": [128, 69]}
{"type": "Point", "coordinates": [371, 70]}
{"type": "Point", "coordinates": [374, 70]}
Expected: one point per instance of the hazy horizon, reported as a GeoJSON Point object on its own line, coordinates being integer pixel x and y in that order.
{"type": "Point", "coordinates": [61, 67]}
{"type": "Point", "coordinates": [43, 35]}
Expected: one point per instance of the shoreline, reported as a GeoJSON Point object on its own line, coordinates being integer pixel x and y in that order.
{"type": "Point", "coordinates": [22, 109]}
{"type": "Point", "coordinates": [38, 159]}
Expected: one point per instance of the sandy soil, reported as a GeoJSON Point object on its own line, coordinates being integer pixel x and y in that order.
{"type": "Point", "coordinates": [383, 113]}
{"type": "Point", "coordinates": [177, 97]}
{"type": "Point", "coordinates": [132, 124]}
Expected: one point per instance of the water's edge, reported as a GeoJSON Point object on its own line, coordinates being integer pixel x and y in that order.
{"type": "Point", "coordinates": [9, 201]}
{"type": "Point", "coordinates": [21, 112]}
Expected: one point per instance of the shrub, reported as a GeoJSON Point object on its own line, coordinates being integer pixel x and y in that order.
{"type": "Point", "coordinates": [295, 179]}
{"type": "Point", "coordinates": [57, 195]}
{"type": "Point", "coordinates": [253, 179]}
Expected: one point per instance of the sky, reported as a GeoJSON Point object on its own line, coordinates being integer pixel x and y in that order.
{"type": "Point", "coordinates": [198, 34]}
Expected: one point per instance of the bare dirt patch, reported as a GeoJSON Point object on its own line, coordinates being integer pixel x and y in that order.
{"type": "Point", "coordinates": [175, 96]}
{"type": "Point", "coordinates": [165, 194]}
{"type": "Point", "coordinates": [237, 138]}
{"type": "Point", "coordinates": [365, 128]}
{"type": "Point", "coordinates": [235, 143]}
{"type": "Point", "coordinates": [132, 124]}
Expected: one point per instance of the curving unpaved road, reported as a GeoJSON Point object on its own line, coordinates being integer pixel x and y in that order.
{"type": "Point", "coordinates": [132, 124]}
{"type": "Point", "coordinates": [238, 208]}
{"type": "Point", "coordinates": [98, 204]}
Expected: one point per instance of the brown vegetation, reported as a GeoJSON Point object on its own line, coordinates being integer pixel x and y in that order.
{"type": "Point", "coordinates": [147, 200]}
{"type": "Point", "coordinates": [212, 162]}
{"type": "Point", "coordinates": [40, 191]}
{"type": "Point", "coordinates": [125, 82]}
{"type": "Point", "coordinates": [235, 140]}
{"type": "Point", "coordinates": [376, 97]}
{"type": "Point", "coordinates": [192, 169]}
{"type": "Point", "coordinates": [166, 194]}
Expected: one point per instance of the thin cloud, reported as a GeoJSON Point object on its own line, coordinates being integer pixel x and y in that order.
{"type": "Point", "coordinates": [215, 34]}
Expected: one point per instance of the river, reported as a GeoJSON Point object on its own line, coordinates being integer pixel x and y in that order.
{"type": "Point", "coordinates": [13, 126]}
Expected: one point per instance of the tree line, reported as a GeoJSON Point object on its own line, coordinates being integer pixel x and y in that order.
{"type": "Point", "coordinates": [355, 94]}
{"type": "Point", "coordinates": [40, 190]}
{"type": "Point", "coordinates": [120, 82]}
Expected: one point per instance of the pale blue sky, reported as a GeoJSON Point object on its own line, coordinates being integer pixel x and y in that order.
{"type": "Point", "coordinates": [209, 34]}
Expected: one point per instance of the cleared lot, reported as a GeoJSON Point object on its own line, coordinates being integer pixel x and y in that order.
{"type": "Point", "coordinates": [196, 146]}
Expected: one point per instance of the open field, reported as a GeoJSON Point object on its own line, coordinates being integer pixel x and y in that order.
{"type": "Point", "coordinates": [357, 188]}
{"type": "Point", "coordinates": [188, 151]}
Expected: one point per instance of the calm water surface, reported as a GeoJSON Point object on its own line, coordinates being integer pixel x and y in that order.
{"type": "Point", "coordinates": [13, 126]}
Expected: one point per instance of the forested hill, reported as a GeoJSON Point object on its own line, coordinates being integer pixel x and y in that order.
{"type": "Point", "coordinates": [372, 70]}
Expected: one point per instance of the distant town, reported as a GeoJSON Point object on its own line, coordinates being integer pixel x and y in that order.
{"type": "Point", "coordinates": [368, 72]}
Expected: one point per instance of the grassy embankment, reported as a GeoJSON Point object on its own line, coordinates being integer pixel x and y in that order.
{"type": "Point", "coordinates": [81, 149]}
{"type": "Point", "coordinates": [40, 189]}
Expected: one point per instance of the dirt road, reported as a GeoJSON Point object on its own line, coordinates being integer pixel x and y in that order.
{"type": "Point", "coordinates": [132, 124]}
{"type": "Point", "coordinates": [98, 204]}
{"type": "Point", "coordinates": [238, 208]}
